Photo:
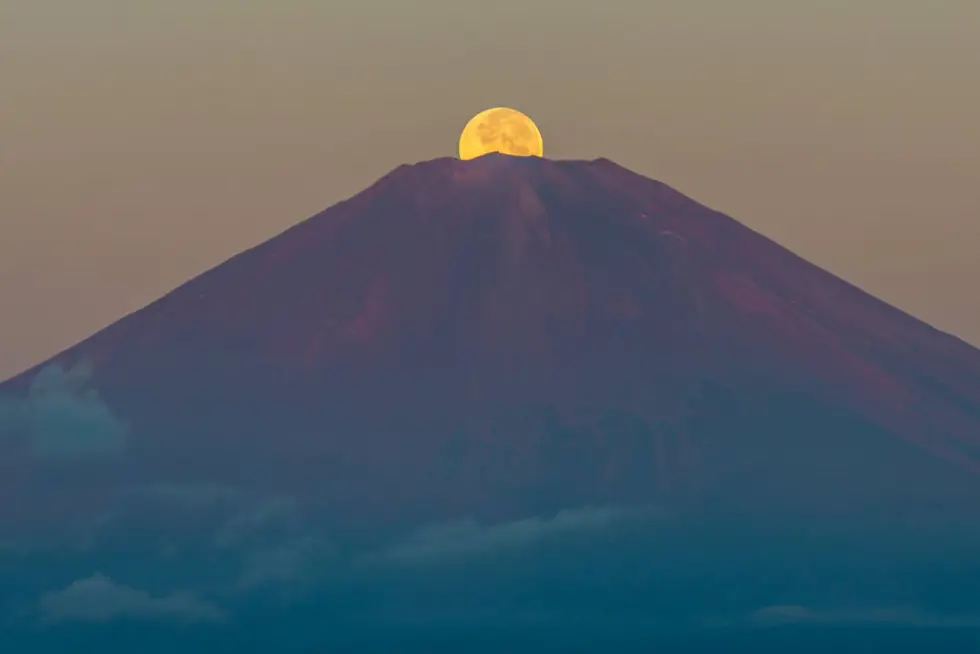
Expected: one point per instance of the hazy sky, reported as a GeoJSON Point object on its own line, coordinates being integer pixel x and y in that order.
{"type": "Point", "coordinates": [144, 142]}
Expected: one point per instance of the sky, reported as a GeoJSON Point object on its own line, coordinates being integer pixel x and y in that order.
{"type": "Point", "coordinates": [143, 143]}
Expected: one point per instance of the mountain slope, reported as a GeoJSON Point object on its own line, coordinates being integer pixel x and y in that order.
{"type": "Point", "coordinates": [506, 336]}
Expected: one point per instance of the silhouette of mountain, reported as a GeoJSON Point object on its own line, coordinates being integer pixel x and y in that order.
{"type": "Point", "coordinates": [506, 337]}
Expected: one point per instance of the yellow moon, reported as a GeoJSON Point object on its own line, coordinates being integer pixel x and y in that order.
{"type": "Point", "coordinates": [502, 130]}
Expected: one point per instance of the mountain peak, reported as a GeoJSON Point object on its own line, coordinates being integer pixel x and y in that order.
{"type": "Point", "coordinates": [498, 170]}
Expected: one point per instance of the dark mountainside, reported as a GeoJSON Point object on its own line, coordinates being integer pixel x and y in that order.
{"type": "Point", "coordinates": [508, 336]}
{"type": "Point", "coordinates": [505, 402]}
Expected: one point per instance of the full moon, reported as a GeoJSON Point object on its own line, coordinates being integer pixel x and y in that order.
{"type": "Point", "coordinates": [502, 130]}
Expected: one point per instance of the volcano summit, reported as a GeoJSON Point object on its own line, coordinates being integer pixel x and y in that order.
{"type": "Point", "coordinates": [503, 339]}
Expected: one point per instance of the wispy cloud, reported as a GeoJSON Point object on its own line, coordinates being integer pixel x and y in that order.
{"type": "Point", "coordinates": [796, 614]}
{"type": "Point", "coordinates": [99, 599]}
{"type": "Point", "coordinates": [470, 537]}
{"type": "Point", "coordinates": [269, 518]}
{"type": "Point", "coordinates": [289, 563]}
{"type": "Point", "coordinates": [189, 496]}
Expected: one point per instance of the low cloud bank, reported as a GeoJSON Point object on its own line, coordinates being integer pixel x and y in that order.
{"type": "Point", "coordinates": [266, 576]}
{"type": "Point", "coordinates": [99, 599]}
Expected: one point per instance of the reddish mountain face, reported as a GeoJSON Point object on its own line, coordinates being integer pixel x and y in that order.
{"type": "Point", "coordinates": [510, 336]}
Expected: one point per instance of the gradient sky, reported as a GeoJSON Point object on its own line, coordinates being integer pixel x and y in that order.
{"type": "Point", "coordinates": [144, 142]}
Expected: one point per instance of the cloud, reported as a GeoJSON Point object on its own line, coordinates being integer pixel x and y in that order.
{"type": "Point", "coordinates": [63, 417]}
{"type": "Point", "coordinates": [269, 518]}
{"type": "Point", "coordinates": [190, 518]}
{"type": "Point", "coordinates": [12, 416]}
{"type": "Point", "coordinates": [286, 564]}
{"type": "Point", "coordinates": [469, 537]}
{"type": "Point", "coordinates": [189, 496]}
{"type": "Point", "coordinates": [100, 599]}
{"type": "Point", "coordinates": [785, 614]}
{"type": "Point", "coordinates": [160, 517]}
